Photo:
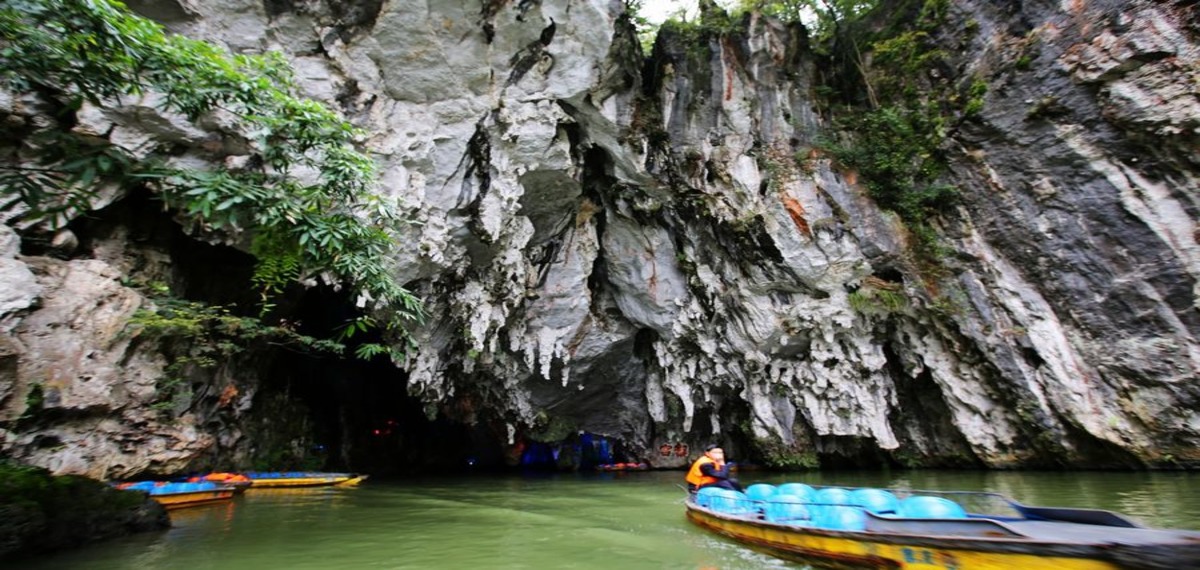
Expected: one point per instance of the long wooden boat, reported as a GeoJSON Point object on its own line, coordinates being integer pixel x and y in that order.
{"type": "Point", "coordinates": [269, 479]}
{"type": "Point", "coordinates": [844, 531]}
{"type": "Point", "coordinates": [238, 481]}
{"type": "Point", "coordinates": [179, 495]}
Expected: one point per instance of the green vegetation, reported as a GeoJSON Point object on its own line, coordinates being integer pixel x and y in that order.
{"type": "Point", "coordinates": [646, 30]}
{"type": "Point", "coordinates": [793, 461]}
{"type": "Point", "coordinates": [43, 512]}
{"type": "Point", "coordinates": [975, 95]}
{"type": "Point", "coordinates": [896, 151]}
{"type": "Point", "coordinates": [34, 401]}
{"type": "Point", "coordinates": [823, 17]}
{"type": "Point", "coordinates": [283, 456]}
{"type": "Point", "coordinates": [199, 336]}
{"type": "Point", "coordinates": [551, 428]}
{"type": "Point", "coordinates": [696, 33]}
{"type": "Point", "coordinates": [869, 299]}
{"type": "Point", "coordinates": [778, 455]}
{"type": "Point", "coordinates": [301, 189]}
{"type": "Point", "coordinates": [893, 109]}
{"type": "Point", "coordinates": [896, 110]}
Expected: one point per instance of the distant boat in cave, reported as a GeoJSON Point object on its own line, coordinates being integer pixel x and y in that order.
{"type": "Point", "coordinates": [623, 467]}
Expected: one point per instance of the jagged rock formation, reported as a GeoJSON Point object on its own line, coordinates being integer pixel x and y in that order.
{"type": "Point", "coordinates": [658, 250]}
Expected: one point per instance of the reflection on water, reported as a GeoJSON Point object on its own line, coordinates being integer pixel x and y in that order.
{"type": "Point", "coordinates": [609, 521]}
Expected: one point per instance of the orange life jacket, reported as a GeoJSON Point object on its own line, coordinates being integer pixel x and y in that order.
{"type": "Point", "coordinates": [697, 477]}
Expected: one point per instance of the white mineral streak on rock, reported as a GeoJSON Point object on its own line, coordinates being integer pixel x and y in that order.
{"type": "Point", "coordinates": [742, 329]}
{"type": "Point", "coordinates": [1062, 382]}
{"type": "Point", "coordinates": [1155, 203]}
{"type": "Point", "coordinates": [1147, 69]}
{"type": "Point", "coordinates": [443, 85]}
{"type": "Point", "coordinates": [641, 263]}
{"type": "Point", "coordinates": [655, 404]}
{"type": "Point", "coordinates": [19, 288]}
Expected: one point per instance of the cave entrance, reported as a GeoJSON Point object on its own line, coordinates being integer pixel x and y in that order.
{"type": "Point", "coordinates": [311, 410]}
{"type": "Point", "coordinates": [359, 415]}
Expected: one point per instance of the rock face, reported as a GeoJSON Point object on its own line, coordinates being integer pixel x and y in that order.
{"type": "Point", "coordinates": [657, 250]}
{"type": "Point", "coordinates": [1080, 222]}
{"type": "Point", "coordinates": [78, 367]}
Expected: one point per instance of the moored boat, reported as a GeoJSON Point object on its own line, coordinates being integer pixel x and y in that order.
{"type": "Point", "coordinates": [879, 528]}
{"type": "Point", "coordinates": [179, 495]}
{"type": "Point", "coordinates": [268, 479]}
{"type": "Point", "coordinates": [238, 481]}
{"type": "Point", "coordinates": [623, 467]}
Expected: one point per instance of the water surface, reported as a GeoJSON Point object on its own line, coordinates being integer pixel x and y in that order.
{"type": "Point", "coordinates": [610, 521]}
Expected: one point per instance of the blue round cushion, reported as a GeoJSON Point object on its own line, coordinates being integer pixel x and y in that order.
{"type": "Point", "coordinates": [731, 502]}
{"type": "Point", "coordinates": [786, 508]}
{"type": "Point", "coordinates": [923, 507]}
{"type": "Point", "coordinates": [832, 496]}
{"type": "Point", "coordinates": [875, 500]}
{"type": "Point", "coordinates": [841, 517]}
{"type": "Point", "coordinates": [760, 491]}
{"type": "Point", "coordinates": [704, 496]}
{"type": "Point", "coordinates": [796, 489]}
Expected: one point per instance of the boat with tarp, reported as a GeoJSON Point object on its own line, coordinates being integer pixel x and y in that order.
{"type": "Point", "coordinates": [238, 481]}
{"type": "Point", "coordinates": [270, 479]}
{"type": "Point", "coordinates": [836, 527]}
{"type": "Point", "coordinates": [174, 495]}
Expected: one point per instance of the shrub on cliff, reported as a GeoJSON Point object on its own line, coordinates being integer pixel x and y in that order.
{"type": "Point", "coordinates": [41, 512]}
{"type": "Point", "coordinates": [294, 182]}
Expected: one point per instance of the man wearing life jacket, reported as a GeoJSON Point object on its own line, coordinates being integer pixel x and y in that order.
{"type": "Point", "coordinates": [711, 471]}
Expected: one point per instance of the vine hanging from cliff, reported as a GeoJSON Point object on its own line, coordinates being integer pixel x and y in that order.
{"type": "Point", "coordinates": [301, 188]}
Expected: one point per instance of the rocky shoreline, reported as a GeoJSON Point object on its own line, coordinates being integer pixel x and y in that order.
{"type": "Point", "coordinates": [40, 512]}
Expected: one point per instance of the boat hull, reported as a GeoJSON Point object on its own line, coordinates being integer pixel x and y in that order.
{"type": "Point", "coordinates": [282, 482]}
{"type": "Point", "coordinates": [840, 549]}
{"type": "Point", "coordinates": [192, 498]}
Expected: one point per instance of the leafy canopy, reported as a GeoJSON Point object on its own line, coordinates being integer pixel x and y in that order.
{"type": "Point", "coordinates": [823, 16]}
{"type": "Point", "coordinates": [302, 188]}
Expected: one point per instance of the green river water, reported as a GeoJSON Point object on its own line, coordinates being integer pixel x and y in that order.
{"type": "Point", "coordinates": [610, 521]}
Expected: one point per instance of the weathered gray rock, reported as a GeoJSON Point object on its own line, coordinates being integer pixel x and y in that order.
{"type": "Point", "coordinates": [18, 287]}
{"type": "Point", "coordinates": [91, 379]}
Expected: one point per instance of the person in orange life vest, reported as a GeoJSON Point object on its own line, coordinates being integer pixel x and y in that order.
{"type": "Point", "coordinates": [711, 471]}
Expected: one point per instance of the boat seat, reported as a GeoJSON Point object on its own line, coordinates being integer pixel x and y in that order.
{"type": "Point", "coordinates": [704, 496]}
{"type": "Point", "coordinates": [925, 507]}
{"type": "Point", "coordinates": [731, 502]}
{"type": "Point", "coordinates": [786, 508]}
{"type": "Point", "coordinates": [760, 491]}
{"type": "Point", "coordinates": [800, 489]}
{"type": "Point", "coordinates": [878, 501]}
{"type": "Point", "coordinates": [841, 517]}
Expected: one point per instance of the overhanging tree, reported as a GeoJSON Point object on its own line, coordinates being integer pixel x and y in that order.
{"type": "Point", "coordinates": [303, 190]}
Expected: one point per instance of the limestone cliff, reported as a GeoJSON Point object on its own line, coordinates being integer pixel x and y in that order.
{"type": "Point", "coordinates": [654, 247]}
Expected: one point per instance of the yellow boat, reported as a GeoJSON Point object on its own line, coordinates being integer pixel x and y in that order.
{"type": "Point", "coordinates": [193, 498]}
{"type": "Point", "coordinates": [263, 479]}
{"type": "Point", "coordinates": [174, 495]}
{"type": "Point", "coordinates": [842, 530]}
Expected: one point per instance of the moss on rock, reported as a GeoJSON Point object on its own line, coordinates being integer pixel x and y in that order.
{"type": "Point", "coordinates": [41, 512]}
